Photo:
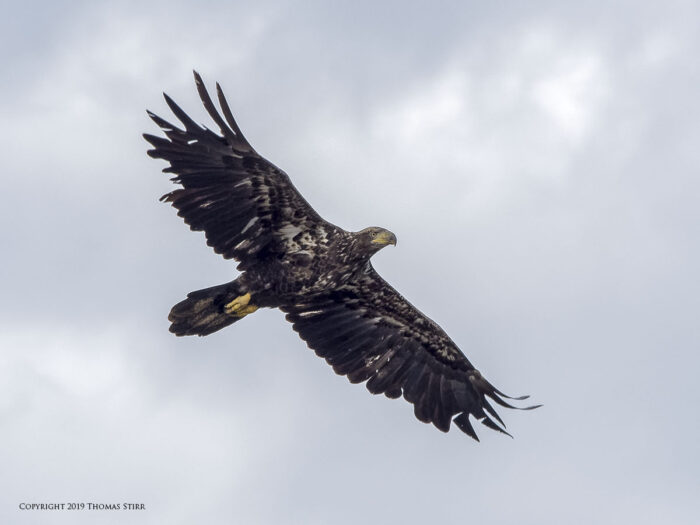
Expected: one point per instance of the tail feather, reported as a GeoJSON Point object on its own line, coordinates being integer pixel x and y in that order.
{"type": "Point", "coordinates": [202, 313]}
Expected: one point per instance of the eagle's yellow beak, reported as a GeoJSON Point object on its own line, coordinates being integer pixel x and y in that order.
{"type": "Point", "coordinates": [385, 237]}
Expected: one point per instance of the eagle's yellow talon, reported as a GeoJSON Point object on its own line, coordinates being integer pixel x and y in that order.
{"type": "Point", "coordinates": [246, 310]}
{"type": "Point", "coordinates": [239, 306]}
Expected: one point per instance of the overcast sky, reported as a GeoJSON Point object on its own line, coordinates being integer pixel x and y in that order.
{"type": "Point", "coordinates": [538, 163]}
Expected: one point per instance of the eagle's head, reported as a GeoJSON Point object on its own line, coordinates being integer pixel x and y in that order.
{"type": "Point", "coordinates": [373, 239]}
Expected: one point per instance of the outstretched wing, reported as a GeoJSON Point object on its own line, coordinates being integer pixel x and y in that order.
{"type": "Point", "coordinates": [367, 331]}
{"type": "Point", "coordinates": [243, 203]}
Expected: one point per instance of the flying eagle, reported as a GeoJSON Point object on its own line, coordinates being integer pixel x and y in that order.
{"type": "Point", "coordinates": [320, 275]}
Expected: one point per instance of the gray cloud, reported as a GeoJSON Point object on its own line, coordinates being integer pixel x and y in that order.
{"type": "Point", "coordinates": [539, 165]}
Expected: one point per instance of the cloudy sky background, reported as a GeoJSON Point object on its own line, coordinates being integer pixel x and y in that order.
{"type": "Point", "coordinates": [539, 165]}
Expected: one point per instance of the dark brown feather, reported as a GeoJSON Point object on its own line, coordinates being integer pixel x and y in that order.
{"type": "Point", "coordinates": [369, 332]}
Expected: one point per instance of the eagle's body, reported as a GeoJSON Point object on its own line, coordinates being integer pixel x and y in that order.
{"type": "Point", "coordinates": [317, 273]}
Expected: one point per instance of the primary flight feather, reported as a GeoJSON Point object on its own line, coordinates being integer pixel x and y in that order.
{"type": "Point", "coordinates": [317, 273]}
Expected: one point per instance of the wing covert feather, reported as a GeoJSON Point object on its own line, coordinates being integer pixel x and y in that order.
{"type": "Point", "coordinates": [241, 201]}
{"type": "Point", "coordinates": [368, 332]}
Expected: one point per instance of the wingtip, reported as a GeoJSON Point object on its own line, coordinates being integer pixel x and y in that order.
{"type": "Point", "coordinates": [462, 421]}
{"type": "Point", "coordinates": [197, 77]}
{"type": "Point", "coordinates": [514, 398]}
{"type": "Point", "coordinates": [155, 118]}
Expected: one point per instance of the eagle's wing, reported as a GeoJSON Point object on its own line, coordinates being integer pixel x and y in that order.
{"type": "Point", "coordinates": [243, 203]}
{"type": "Point", "coordinates": [367, 331]}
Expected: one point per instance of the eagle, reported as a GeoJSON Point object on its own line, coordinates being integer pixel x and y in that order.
{"type": "Point", "coordinates": [317, 273]}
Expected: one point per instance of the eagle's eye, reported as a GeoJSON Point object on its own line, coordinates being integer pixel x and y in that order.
{"type": "Point", "coordinates": [372, 234]}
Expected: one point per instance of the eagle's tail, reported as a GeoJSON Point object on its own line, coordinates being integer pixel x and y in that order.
{"type": "Point", "coordinates": [207, 311]}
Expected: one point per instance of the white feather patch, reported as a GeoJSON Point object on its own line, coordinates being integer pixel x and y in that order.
{"type": "Point", "coordinates": [250, 223]}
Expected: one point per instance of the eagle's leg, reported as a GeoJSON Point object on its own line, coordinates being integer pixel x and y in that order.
{"type": "Point", "coordinates": [240, 306]}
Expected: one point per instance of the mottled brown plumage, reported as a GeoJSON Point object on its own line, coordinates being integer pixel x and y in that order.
{"type": "Point", "coordinates": [317, 273]}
